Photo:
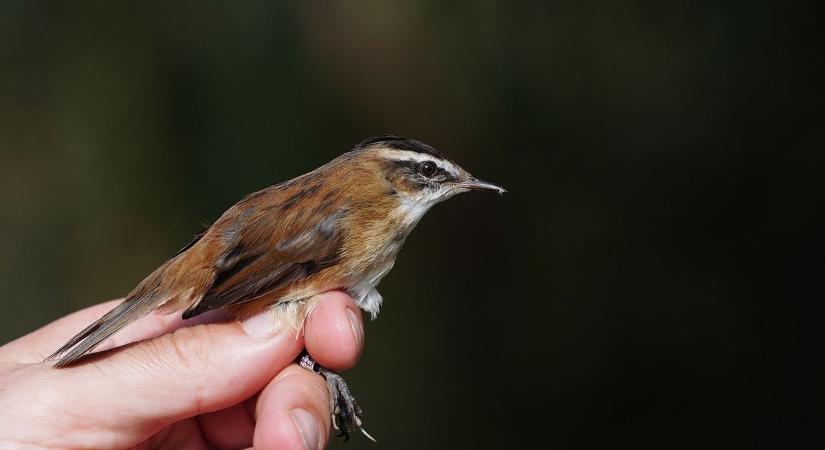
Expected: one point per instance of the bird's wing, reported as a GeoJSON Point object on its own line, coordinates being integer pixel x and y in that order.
{"type": "Point", "coordinates": [259, 250]}
{"type": "Point", "coordinates": [257, 263]}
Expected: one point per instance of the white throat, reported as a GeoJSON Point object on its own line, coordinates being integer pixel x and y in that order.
{"type": "Point", "coordinates": [411, 210]}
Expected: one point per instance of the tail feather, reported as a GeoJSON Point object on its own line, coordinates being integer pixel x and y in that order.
{"type": "Point", "coordinates": [90, 337]}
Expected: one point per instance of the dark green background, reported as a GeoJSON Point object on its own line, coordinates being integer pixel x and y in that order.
{"type": "Point", "coordinates": [645, 283]}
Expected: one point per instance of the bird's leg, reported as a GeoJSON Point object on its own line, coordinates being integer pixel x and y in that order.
{"type": "Point", "coordinates": [346, 414]}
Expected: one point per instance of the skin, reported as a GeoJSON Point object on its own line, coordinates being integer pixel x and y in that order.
{"type": "Point", "coordinates": [217, 385]}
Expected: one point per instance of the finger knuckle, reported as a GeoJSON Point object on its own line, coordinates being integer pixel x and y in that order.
{"type": "Point", "coordinates": [184, 350]}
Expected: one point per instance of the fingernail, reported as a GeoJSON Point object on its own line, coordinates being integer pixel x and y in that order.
{"type": "Point", "coordinates": [307, 427]}
{"type": "Point", "coordinates": [261, 325]}
{"type": "Point", "coordinates": [357, 330]}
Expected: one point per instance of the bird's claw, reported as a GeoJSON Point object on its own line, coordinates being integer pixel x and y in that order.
{"type": "Point", "coordinates": [346, 414]}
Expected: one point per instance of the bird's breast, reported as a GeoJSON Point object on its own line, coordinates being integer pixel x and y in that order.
{"type": "Point", "coordinates": [373, 248]}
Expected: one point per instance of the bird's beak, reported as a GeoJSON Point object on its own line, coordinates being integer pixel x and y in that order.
{"type": "Point", "coordinates": [479, 185]}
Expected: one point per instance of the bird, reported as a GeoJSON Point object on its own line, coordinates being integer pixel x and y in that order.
{"type": "Point", "coordinates": [339, 226]}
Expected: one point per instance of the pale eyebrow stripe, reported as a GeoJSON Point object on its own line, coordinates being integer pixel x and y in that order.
{"type": "Point", "coordinates": [408, 154]}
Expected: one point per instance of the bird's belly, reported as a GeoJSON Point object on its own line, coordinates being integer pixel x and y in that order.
{"type": "Point", "coordinates": [363, 287]}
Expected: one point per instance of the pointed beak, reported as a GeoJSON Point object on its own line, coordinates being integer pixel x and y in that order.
{"type": "Point", "coordinates": [479, 185]}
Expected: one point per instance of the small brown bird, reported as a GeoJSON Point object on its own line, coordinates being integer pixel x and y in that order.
{"type": "Point", "coordinates": [340, 226]}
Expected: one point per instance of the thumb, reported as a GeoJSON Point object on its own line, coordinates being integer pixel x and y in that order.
{"type": "Point", "coordinates": [141, 388]}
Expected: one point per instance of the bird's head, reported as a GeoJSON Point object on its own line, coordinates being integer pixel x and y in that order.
{"type": "Point", "coordinates": [417, 173]}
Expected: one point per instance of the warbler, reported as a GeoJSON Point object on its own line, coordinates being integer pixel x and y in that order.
{"type": "Point", "coordinates": [340, 226]}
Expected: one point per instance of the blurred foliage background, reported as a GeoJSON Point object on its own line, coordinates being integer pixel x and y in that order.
{"type": "Point", "coordinates": [642, 285]}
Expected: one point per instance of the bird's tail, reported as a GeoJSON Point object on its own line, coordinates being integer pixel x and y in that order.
{"type": "Point", "coordinates": [121, 315]}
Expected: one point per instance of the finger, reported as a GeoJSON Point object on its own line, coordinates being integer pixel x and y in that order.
{"type": "Point", "coordinates": [293, 412]}
{"type": "Point", "coordinates": [229, 428]}
{"type": "Point", "coordinates": [334, 335]}
{"type": "Point", "coordinates": [141, 388]}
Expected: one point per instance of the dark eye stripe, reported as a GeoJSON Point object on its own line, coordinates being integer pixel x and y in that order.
{"type": "Point", "coordinates": [444, 175]}
{"type": "Point", "coordinates": [404, 164]}
{"type": "Point", "coordinates": [409, 168]}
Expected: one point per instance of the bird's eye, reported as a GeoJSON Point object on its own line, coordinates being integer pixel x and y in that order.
{"type": "Point", "coordinates": [427, 168]}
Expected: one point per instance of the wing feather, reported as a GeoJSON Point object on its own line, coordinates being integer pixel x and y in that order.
{"type": "Point", "coordinates": [271, 239]}
{"type": "Point", "coordinates": [255, 267]}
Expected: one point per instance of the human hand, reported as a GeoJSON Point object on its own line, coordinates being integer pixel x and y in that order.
{"type": "Point", "coordinates": [204, 386]}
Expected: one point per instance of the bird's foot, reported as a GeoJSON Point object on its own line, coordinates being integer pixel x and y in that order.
{"type": "Point", "coordinates": [346, 414]}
